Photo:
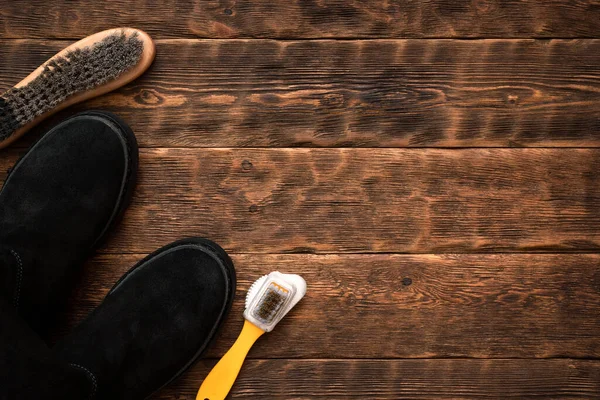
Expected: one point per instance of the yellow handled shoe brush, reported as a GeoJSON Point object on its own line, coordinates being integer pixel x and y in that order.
{"type": "Point", "coordinates": [269, 299]}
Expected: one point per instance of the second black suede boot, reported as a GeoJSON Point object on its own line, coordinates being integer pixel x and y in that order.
{"type": "Point", "coordinates": [57, 204]}
{"type": "Point", "coordinates": [155, 322]}
{"type": "Point", "coordinates": [28, 369]}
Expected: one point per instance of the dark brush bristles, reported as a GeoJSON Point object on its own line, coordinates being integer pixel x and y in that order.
{"type": "Point", "coordinates": [269, 305]}
{"type": "Point", "coordinates": [78, 71]}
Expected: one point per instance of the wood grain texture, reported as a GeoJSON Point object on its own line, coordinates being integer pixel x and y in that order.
{"type": "Point", "coordinates": [403, 379]}
{"type": "Point", "coordinates": [499, 313]}
{"type": "Point", "coordinates": [365, 200]}
{"type": "Point", "coordinates": [305, 19]}
{"type": "Point", "coordinates": [383, 93]}
{"type": "Point", "coordinates": [362, 200]}
{"type": "Point", "coordinates": [409, 306]}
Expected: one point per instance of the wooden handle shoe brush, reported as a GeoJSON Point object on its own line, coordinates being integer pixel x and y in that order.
{"type": "Point", "coordinates": [91, 67]}
{"type": "Point", "coordinates": [269, 299]}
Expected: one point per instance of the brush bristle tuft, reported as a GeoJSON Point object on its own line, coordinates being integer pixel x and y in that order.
{"type": "Point", "coordinates": [270, 304]}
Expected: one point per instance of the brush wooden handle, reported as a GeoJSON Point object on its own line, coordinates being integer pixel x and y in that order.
{"type": "Point", "coordinates": [218, 383]}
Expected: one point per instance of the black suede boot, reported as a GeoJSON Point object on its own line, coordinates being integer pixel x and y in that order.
{"type": "Point", "coordinates": [29, 371]}
{"type": "Point", "coordinates": [57, 204]}
{"type": "Point", "coordinates": [155, 322]}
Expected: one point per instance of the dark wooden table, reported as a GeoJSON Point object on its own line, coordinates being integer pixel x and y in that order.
{"type": "Point", "coordinates": [431, 167]}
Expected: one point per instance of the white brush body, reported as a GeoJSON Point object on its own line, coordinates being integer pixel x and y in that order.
{"type": "Point", "coordinates": [290, 288]}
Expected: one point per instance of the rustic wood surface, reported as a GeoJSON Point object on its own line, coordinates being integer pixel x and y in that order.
{"type": "Point", "coordinates": [290, 19]}
{"type": "Point", "coordinates": [460, 305]}
{"type": "Point", "coordinates": [365, 200]}
{"type": "Point", "coordinates": [380, 93]}
{"type": "Point", "coordinates": [405, 379]}
{"type": "Point", "coordinates": [441, 196]}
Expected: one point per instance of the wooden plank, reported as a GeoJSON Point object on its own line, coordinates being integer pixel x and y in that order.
{"type": "Point", "coordinates": [305, 19]}
{"type": "Point", "coordinates": [409, 306]}
{"type": "Point", "coordinates": [365, 200]}
{"type": "Point", "coordinates": [383, 93]}
{"type": "Point", "coordinates": [403, 379]}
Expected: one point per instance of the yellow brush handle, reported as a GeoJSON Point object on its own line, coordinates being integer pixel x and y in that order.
{"type": "Point", "coordinates": [220, 380]}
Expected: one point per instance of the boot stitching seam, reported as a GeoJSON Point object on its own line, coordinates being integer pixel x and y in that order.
{"type": "Point", "coordinates": [90, 375]}
{"type": "Point", "coordinates": [19, 279]}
